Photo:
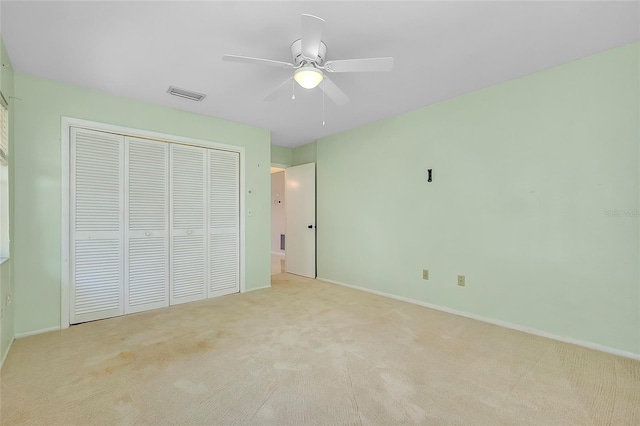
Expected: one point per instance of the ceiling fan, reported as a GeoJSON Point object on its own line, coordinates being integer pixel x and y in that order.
{"type": "Point", "coordinates": [309, 54]}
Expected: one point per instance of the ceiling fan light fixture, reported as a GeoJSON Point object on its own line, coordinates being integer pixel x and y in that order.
{"type": "Point", "coordinates": [308, 76]}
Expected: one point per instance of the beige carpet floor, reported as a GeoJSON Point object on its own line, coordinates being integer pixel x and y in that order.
{"type": "Point", "coordinates": [308, 352]}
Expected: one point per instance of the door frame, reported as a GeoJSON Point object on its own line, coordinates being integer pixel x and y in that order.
{"type": "Point", "coordinates": [66, 124]}
{"type": "Point", "coordinates": [283, 167]}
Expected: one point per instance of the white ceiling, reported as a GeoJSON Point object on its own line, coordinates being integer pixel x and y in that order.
{"type": "Point", "coordinates": [441, 50]}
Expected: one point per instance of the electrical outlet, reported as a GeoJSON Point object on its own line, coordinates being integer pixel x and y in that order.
{"type": "Point", "coordinates": [461, 280]}
{"type": "Point", "coordinates": [425, 274]}
{"type": "Point", "coordinates": [9, 299]}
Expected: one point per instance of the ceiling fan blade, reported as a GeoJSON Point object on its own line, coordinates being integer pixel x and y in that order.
{"type": "Point", "coordinates": [360, 65]}
{"type": "Point", "coordinates": [278, 91]}
{"type": "Point", "coordinates": [312, 27]}
{"type": "Point", "coordinates": [257, 61]}
{"type": "Point", "coordinates": [333, 92]}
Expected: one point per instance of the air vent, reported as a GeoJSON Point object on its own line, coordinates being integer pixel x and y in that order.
{"type": "Point", "coordinates": [187, 94]}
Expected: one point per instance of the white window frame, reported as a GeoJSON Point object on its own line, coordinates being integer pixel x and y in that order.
{"type": "Point", "coordinates": [67, 123]}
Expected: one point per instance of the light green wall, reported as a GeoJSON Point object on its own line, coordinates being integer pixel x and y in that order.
{"type": "Point", "coordinates": [281, 155]}
{"type": "Point", "coordinates": [294, 157]}
{"type": "Point", "coordinates": [304, 154]}
{"type": "Point", "coordinates": [38, 183]}
{"type": "Point", "coordinates": [525, 176]}
{"type": "Point", "coordinates": [6, 280]}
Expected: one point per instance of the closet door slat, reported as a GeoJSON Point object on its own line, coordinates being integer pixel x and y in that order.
{"type": "Point", "coordinates": [96, 225]}
{"type": "Point", "coordinates": [188, 218]}
{"type": "Point", "coordinates": [147, 225]}
{"type": "Point", "coordinates": [224, 217]}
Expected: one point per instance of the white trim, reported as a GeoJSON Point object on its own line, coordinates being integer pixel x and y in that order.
{"type": "Point", "coordinates": [281, 166]}
{"type": "Point", "coordinates": [34, 332]}
{"type": "Point", "coordinates": [65, 249]}
{"type": "Point", "coordinates": [4, 357]}
{"type": "Point", "coordinates": [278, 253]}
{"type": "Point", "coordinates": [258, 288]}
{"type": "Point", "coordinates": [242, 219]}
{"type": "Point", "coordinates": [505, 324]}
{"type": "Point", "coordinates": [66, 124]}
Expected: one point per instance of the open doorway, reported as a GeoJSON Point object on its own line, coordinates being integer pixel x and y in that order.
{"type": "Point", "coordinates": [278, 221]}
{"type": "Point", "coordinates": [293, 219]}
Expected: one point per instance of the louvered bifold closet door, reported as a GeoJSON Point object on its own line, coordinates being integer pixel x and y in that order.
{"type": "Point", "coordinates": [146, 280]}
{"type": "Point", "coordinates": [224, 215]}
{"type": "Point", "coordinates": [188, 217]}
{"type": "Point", "coordinates": [97, 221]}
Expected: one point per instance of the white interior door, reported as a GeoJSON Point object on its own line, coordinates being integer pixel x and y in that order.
{"type": "Point", "coordinates": [300, 193]}
{"type": "Point", "coordinates": [224, 220]}
{"type": "Point", "coordinates": [97, 222]}
{"type": "Point", "coordinates": [146, 278]}
{"type": "Point", "coordinates": [188, 215]}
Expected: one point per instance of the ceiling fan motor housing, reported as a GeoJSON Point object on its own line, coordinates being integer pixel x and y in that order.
{"type": "Point", "coordinates": [298, 59]}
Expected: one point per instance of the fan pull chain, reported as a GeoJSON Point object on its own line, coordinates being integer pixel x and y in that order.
{"type": "Point", "coordinates": [323, 122]}
{"type": "Point", "coordinates": [293, 89]}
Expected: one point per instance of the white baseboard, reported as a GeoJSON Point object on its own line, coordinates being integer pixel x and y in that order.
{"type": "Point", "coordinates": [278, 253]}
{"type": "Point", "coordinates": [257, 288]}
{"type": "Point", "coordinates": [4, 356]}
{"type": "Point", "coordinates": [34, 332]}
{"type": "Point", "coordinates": [505, 324]}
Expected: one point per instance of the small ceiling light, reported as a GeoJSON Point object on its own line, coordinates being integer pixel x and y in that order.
{"type": "Point", "coordinates": [308, 76]}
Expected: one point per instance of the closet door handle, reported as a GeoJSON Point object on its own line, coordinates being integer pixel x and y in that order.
{"type": "Point", "coordinates": [148, 234]}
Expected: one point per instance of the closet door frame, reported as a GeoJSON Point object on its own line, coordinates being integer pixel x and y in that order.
{"type": "Point", "coordinates": [66, 124]}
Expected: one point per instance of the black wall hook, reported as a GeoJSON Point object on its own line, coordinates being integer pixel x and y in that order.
{"type": "Point", "coordinates": [429, 175]}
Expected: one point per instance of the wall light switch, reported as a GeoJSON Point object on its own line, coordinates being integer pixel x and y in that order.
{"type": "Point", "coordinates": [461, 280]}
{"type": "Point", "coordinates": [425, 274]}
